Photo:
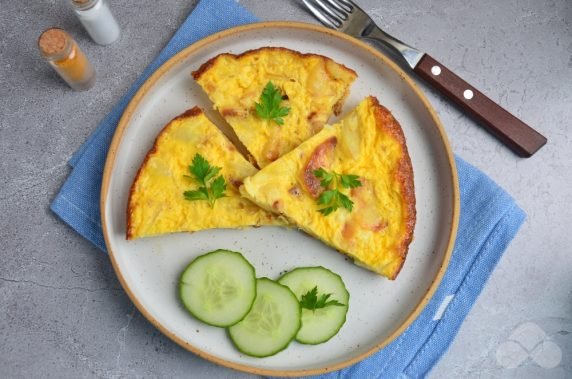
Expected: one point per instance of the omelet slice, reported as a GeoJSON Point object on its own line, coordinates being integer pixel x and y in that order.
{"type": "Point", "coordinates": [156, 202]}
{"type": "Point", "coordinates": [312, 87]}
{"type": "Point", "coordinates": [369, 144]}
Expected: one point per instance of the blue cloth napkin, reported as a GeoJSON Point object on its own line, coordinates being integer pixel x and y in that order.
{"type": "Point", "coordinates": [78, 200]}
{"type": "Point", "coordinates": [489, 221]}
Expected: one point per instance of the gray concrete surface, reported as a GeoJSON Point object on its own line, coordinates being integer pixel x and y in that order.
{"type": "Point", "coordinates": [62, 311]}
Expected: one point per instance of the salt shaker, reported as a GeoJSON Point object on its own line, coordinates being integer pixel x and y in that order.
{"type": "Point", "coordinates": [65, 56]}
{"type": "Point", "coordinates": [97, 19]}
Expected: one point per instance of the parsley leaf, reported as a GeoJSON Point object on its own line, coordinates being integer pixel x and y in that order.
{"type": "Point", "coordinates": [311, 301]}
{"type": "Point", "coordinates": [345, 202]}
{"type": "Point", "coordinates": [330, 200]}
{"type": "Point", "coordinates": [200, 194]}
{"type": "Point", "coordinates": [350, 181]}
{"type": "Point", "coordinates": [325, 177]}
{"type": "Point", "coordinates": [203, 173]}
{"type": "Point", "coordinates": [269, 107]}
{"type": "Point", "coordinates": [218, 187]}
{"type": "Point", "coordinates": [333, 199]}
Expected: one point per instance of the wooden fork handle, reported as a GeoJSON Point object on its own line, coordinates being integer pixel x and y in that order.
{"type": "Point", "coordinates": [514, 133]}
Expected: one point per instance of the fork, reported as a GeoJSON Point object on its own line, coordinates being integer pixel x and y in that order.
{"type": "Point", "coordinates": [346, 16]}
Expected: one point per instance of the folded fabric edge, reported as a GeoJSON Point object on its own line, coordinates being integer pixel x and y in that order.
{"type": "Point", "coordinates": [464, 299]}
{"type": "Point", "coordinates": [86, 227]}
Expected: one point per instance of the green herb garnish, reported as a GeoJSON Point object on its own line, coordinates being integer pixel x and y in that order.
{"type": "Point", "coordinates": [312, 302]}
{"type": "Point", "coordinates": [211, 188]}
{"type": "Point", "coordinates": [332, 199]}
{"type": "Point", "coordinates": [269, 107]}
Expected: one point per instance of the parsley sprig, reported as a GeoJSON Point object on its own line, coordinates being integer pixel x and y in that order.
{"type": "Point", "coordinates": [211, 188]}
{"type": "Point", "coordinates": [269, 107]}
{"type": "Point", "coordinates": [311, 301]}
{"type": "Point", "coordinates": [332, 199]}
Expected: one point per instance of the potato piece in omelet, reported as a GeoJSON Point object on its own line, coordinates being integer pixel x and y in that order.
{"type": "Point", "coordinates": [156, 202]}
{"type": "Point", "coordinates": [368, 143]}
{"type": "Point", "coordinates": [312, 86]}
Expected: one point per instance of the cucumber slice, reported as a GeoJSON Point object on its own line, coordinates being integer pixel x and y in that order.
{"type": "Point", "coordinates": [271, 324]}
{"type": "Point", "coordinates": [218, 288]}
{"type": "Point", "coordinates": [321, 324]}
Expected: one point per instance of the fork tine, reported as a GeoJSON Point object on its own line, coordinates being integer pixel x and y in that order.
{"type": "Point", "coordinates": [329, 12]}
{"type": "Point", "coordinates": [319, 14]}
{"type": "Point", "coordinates": [338, 9]}
{"type": "Point", "coordinates": [347, 6]}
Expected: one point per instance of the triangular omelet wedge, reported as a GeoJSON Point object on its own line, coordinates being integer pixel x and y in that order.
{"type": "Point", "coordinates": [312, 86]}
{"type": "Point", "coordinates": [156, 202]}
{"type": "Point", "coordinates": [368, 143]}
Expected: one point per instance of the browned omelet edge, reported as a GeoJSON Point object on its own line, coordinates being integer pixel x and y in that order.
{"type": "Point", "coordinates": [404, 175]}
{"type": "Point", "coordinates": [337, 108]}
{"type": "Point", "coordinates": [189, 113]}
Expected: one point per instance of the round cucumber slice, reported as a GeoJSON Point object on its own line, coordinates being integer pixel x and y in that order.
{"type": "Point", "coordinates": [218, 288]}
{"type": "Point", "coordinates": [271, 324]}
{"type": "Point", "coordinates": [321, 324]}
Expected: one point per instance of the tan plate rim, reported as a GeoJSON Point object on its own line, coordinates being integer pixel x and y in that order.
{"type": "Point", "coordinates": [149, 83]}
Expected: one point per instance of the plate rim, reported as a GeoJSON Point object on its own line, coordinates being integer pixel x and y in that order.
{"type": "Point", "coordinates": [184, 53]}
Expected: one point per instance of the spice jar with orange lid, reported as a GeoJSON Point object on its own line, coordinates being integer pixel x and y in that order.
{"type": "Point", "coordinates": [65, 56]}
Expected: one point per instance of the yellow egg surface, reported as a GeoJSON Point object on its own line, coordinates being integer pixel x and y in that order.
{"type": "Point", "coordinates": [312, 86]}
{"type": "Point", "coordinates": [369, 143]}
{"type": "Point", "coordinates": [156, 202]}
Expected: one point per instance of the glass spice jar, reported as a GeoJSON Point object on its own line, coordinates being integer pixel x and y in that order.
{"type": "Point", "coordinates": [97, 19]}
{"type": "Point", "coordinates": [65, 56]}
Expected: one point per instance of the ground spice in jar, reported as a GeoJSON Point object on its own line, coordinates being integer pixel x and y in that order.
{"type": "Point", "coordinates": [67, 59]}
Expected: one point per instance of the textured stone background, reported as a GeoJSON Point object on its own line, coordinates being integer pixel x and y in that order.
{"type": "Point", "coordinates": [62, 311]}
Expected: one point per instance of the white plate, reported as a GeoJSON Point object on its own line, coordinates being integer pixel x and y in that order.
{"type": "Point", "coordinates": [379, 309]}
